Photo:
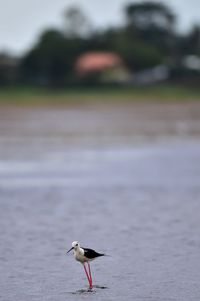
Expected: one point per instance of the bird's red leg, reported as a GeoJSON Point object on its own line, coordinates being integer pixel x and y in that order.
{"type": "Point", "coordinates": [88, 277]}
{"type": "Point", "coordinates": [90, 273]}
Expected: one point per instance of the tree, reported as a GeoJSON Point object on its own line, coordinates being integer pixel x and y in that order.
{"type": "Point", "coordinates": [49, 62]}
{"type": "Point", "coordinates": [153, 23]}
{"type": "Point", "coordinates": [76, 23]}
{"type": "Point", "coordinates": [193, 41]}
{"type": "Point", "coordinates": [149, 14]}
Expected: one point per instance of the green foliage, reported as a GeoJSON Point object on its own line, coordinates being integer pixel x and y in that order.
{"type": "Point", "coordinates": [149, 14]}
{"type": "Point", "coordinates": [139, 56]}
{"type": "Point", "coordinates": [191, 43]}
{"type": "Point", "coordinates": [47, 61]}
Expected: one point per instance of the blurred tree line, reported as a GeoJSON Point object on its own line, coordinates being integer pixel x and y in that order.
{"type": "Point", "coordinates": [148, 38]}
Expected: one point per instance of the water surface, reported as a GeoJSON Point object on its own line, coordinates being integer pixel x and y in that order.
{"type": "Point", "coordinates": [126, 188]}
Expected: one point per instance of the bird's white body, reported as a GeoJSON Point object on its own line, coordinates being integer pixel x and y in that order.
{"type": "Point", "coordinates": [79, 254]}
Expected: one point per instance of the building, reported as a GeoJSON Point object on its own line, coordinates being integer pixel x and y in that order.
{"type": "Point", "coordinates": [108, 66]}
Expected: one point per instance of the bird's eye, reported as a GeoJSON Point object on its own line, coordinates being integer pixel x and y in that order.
{"type": "Point", "coordinates": [76, 245]}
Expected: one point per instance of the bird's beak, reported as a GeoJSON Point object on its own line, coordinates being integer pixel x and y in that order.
{"type": "Point", "coordinates": [70, 250]}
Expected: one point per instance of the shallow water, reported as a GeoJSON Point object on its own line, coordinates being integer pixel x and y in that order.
{"type": "Point", "coordinates": [136, 200]}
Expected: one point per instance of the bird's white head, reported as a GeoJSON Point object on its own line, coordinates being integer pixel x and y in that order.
{"type": "Point", "coordinates": [75, 246]}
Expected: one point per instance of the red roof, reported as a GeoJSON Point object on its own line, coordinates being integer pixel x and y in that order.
{"type": "Point", "coordinates": [97, 61]}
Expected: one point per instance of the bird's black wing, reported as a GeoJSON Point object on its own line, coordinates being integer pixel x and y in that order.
{"type": "Point", "coordinates": [89, 253]}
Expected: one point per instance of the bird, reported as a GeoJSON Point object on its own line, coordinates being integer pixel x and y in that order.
{"type": "Point", "coordinates": [85, 255]}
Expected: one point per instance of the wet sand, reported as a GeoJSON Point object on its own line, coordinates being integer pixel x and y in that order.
{"type": "Point", "coordinates": [123, 179]}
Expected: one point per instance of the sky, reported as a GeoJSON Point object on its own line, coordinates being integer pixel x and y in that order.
{"type": "Point", "coordinates": [21, 21]}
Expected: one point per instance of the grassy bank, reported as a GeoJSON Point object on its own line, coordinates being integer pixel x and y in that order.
{"type": "Point", "coordinates": [36, 96]}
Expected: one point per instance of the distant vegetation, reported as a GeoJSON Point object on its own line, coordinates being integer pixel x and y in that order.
{"type": "Point", "coordinates": [35, 95]}
{"type": "Point", "coordinates": [148, 38]}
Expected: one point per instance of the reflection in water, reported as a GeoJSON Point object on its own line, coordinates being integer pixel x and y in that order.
{"type": "Point", "coordinates": [89, 290]}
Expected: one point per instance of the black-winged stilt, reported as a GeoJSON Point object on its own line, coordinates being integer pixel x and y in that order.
{"type": "Point", "coordinates": [84, 255]}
